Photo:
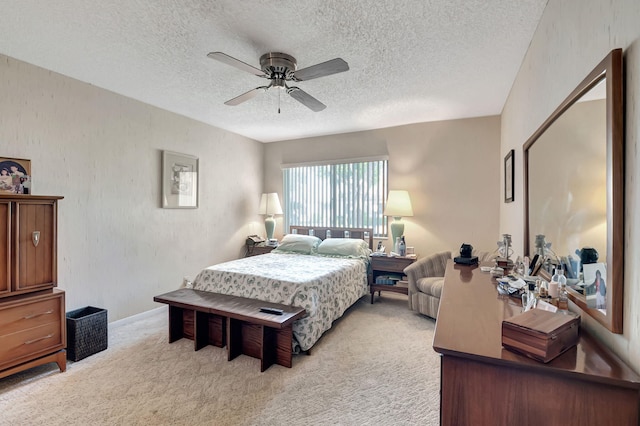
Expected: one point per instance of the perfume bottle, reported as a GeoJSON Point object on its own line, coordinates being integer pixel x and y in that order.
{"type": "Point", "coordinates": [561, 278]}
{"type": "Point", "coordinates": [563, 298]}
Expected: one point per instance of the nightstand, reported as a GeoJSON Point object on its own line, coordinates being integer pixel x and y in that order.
{"type": "Point", "coordinates": [381, 265]}
{"type": "Point", "coordinates": [258, 249]}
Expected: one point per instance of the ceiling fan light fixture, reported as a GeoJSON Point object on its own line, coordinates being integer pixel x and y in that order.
{"type": "Point", "coordinates": [279, 83]}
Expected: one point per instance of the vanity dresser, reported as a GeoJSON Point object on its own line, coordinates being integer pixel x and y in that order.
{"type": "Point", "coordinates": [32, 310]}
{"type": "Point", "coordinates": [484, 384]}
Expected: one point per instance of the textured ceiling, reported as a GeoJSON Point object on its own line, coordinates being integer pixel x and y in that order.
{"type": "Point", "coordinates": [410, 60]}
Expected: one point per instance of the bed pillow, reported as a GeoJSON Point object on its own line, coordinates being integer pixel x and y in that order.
{"type": "Point", "coordinates": [344, 247]}
{"type": "Point", "coordinates": [295, 243]}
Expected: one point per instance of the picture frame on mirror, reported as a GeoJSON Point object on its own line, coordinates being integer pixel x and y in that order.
{"type": "Point", "coordinates": [595, 285]}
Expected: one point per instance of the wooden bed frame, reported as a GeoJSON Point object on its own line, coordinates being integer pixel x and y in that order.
{"type": "Point", "coordinates": [321, 232]}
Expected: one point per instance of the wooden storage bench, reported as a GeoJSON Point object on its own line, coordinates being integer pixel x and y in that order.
{"type": "Point", "coordinates": [221, 319]}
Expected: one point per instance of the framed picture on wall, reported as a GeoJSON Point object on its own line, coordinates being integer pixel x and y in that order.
{"type": "Point", "coordinates": [179, 181]}
{"type": "Point", "coordinates": [15, 175]}
{"type": "Point", "coordinates": [508, 177]}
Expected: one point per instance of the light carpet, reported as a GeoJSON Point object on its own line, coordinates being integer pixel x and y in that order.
{"type": "Point", "coordinates": [375, 366]}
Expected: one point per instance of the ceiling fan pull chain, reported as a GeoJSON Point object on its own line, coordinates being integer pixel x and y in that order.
{"type": "Point", "coordinates": [279, 101]}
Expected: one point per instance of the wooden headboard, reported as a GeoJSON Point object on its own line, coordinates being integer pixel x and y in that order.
{"type": "Point", "coordinates": [320, 232]}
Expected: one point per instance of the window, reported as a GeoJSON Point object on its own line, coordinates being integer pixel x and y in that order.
{"type": "Point", "coordinates": [341, 195]}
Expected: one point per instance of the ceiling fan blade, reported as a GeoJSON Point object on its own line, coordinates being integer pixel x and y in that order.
{"type": "Point", "coordinates": [226, 59]}
{"type": "Point", "coordinates": [333, 66]}
{"type": "Point", "coordinates": [306, 99]}
{"type": "Point", "coordinates": [245, 96]}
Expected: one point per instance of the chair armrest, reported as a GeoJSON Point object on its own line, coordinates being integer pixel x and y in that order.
{"type": "Point", "coordinates": [430, 266]}
{"type": "Point", "coordinates": [485, 256]}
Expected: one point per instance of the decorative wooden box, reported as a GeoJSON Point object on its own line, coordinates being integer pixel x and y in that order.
{"type": "Point", "coordinates": [539, 334]}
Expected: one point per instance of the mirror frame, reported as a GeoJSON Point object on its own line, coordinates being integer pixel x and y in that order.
{"type": "Point", "coordinates": [611, 68]}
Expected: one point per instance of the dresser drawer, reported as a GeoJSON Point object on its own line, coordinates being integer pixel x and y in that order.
{"type": "Point", "coordinates": [30, 342]}
{"type": "Point", "coordinates": [30, 315]}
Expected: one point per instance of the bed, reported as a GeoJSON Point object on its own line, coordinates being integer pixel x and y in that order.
{"type": "Point", "coordinates": [325, 276]}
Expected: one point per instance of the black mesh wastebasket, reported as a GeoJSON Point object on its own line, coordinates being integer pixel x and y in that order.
{"type": "Point", "coordinates": [86, 332]}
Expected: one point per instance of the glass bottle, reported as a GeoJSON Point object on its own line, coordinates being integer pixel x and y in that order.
{"type": "Point", "coordinates": [563, 298]}
{"type": "Point", "coordinates": [529, 299]}
{"type": "Point", "coordinates": [533, 289]}
{"type": "Point", "coordinates": [561, 278]}
{"type": "Point", "coordinates": [558, 283]}
{"type": "Point", "coordinates": [533, 294]}
{"type": "Point", "coordinates": [402, 247]}
{"type": "Point", "coordinates": [543, 289]}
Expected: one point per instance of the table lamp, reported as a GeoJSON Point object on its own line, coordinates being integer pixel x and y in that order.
{"type": "Point", "coordinates": [269, 206]}
{"type": "Point", "coordinates": [398, 205]}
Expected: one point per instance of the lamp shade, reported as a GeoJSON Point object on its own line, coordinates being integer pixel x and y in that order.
{"type": "Point", "coordinates": [398, 204]}
{"type": "Point", "coordinates": [270, 204]}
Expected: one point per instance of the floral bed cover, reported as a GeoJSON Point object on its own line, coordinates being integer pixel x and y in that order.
{"type": "Point", "coordinates": [324, 286]}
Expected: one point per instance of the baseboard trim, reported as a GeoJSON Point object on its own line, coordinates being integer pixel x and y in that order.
{"type": "Point", "coordinates": [133, 318]}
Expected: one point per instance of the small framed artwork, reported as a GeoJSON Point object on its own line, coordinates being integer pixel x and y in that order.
{"type": "Point", "coordinates": [508, 177]}
{"type": "Point", "coordinates": [179, 181]}
{"type": "Point", "coordinates": [15, 175]}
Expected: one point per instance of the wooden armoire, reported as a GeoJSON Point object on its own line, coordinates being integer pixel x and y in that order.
{"type": "Point", "coordinates": [32, 310]}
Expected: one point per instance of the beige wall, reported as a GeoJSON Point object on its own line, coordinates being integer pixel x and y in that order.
{"type": "Point", "coordinates": [102, 152]}
{"type": "Point", "coordinates": [573, 36]}
{"type": "Point", "coordinates": [450, 168]}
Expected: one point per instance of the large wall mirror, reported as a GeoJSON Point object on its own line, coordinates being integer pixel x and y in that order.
{"type": "Point", "coordinates": [574, 191]}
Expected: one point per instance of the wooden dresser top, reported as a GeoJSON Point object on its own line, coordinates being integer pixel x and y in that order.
{"type": "Point", "coordinates": [27, 197]}
{"type": "Point", "coordinates": [469, 325]}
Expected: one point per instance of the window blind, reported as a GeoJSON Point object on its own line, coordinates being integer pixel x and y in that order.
{"type": "Point", "coordinates": [340, 195]}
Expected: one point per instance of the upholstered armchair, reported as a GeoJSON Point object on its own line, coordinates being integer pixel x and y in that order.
{"type": "Point", "coordinates": [426, 279]}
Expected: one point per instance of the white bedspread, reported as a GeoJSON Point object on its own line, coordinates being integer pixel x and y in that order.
{"type": "Point", "coordinates": [324, 286]}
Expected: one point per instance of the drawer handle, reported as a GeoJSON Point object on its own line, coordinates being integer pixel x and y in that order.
{"type": "Point", "coordinates": [48, 336]}
{"type": "Point", "coordinates": [50, 311]}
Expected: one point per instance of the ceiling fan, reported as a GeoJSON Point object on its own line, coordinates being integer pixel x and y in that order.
{"type": "Point", "coordinates": [279, 68]}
